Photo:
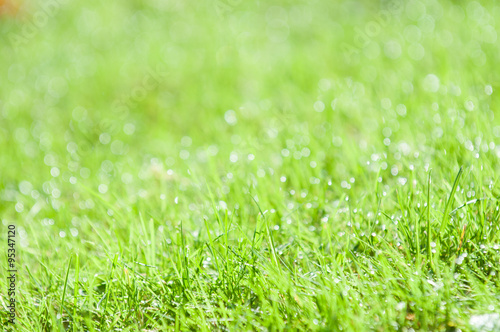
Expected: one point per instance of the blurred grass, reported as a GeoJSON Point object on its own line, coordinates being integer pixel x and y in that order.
{"type": "Point", "coordinates": [314, 134]}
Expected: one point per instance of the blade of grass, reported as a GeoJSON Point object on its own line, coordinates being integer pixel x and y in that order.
{"type": "Point", "coordinates": [66, 283]}
{"type": "Point", "coordinates": [152, 247]}
{"type": "Point", "coordinates": [184, 258]}
{"type": "Point", "coordinates": [209, 245]}
{"type": "Point", "coordinates": [75, 293]}
{"type": "Point", "coordinates": [446, 216]}
{"type": "Point", "coordinates": [429, 236]}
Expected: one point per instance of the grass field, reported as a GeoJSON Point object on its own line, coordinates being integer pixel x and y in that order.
{"type": "Point", "coordinates": [236, 165]}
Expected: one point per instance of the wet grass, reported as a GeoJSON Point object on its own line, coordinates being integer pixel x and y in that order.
{"type": "Point", "coordinates": [245, 166]}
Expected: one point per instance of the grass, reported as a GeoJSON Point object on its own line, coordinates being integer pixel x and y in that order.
{"type": "Point", "coordinates": [231, 165]}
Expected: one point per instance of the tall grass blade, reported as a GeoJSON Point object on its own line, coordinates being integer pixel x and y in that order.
{"type": "Point", "coordinates": [429, 235]}
{"type": "Point", "coordinates": [446, 216]}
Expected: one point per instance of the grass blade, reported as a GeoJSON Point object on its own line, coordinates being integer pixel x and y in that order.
{"type": "Point", "coordinates": [75, 294]}
{"type": "Point", "coordinates": [66, 283]}
{"type": "Point", "coordinates": [429, 235]}
{"type": "Point", "coordinates": [446, 216]}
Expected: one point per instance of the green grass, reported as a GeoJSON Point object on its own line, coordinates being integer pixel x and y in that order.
{"type": "Point", "coordinates": [240, 165]}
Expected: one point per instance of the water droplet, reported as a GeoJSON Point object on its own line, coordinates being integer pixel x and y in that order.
{"type": "Point", "coordinates": [400, 306]}
{"type": "Point", "coordinates": [319, 106]}
{"type": "Point", "coordinates": [230, 117]}
{"type": "Point", "coordinates": [186, 141]}
{"type": "Point", "coordinates": [469, 105]}
{"type": "Point", "coordinates": [19, 207]}
{"type": "Point", "coordinates": [103, 188]}
{"type": "Point", "coordinates": [431, 83]}
{"type": "Point", "coordinates": [184, 154]}
{"type": "Point", "coordinates": [25, 187]}
{"type": "Point", "coordinates": [105, 138]}
{"type": "Point", "coordinates": [129, 128]}
{"type": "Point", "coordinates": [233, 157]}
{"type": "Point", "coordinates": [488, 90]}
{"type": "Point", "coordinates": [392, 49]}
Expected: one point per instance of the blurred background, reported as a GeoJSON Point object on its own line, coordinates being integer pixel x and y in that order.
{"type": "Point", "coordinates": [117, 95]}
{"type": "Point", "coordinates": [170, 69]}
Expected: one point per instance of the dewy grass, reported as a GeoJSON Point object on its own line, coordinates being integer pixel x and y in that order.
{"type": "Point", "coordinates": [446, 217]}
{"type": "Point", "coordinates": [265, 167]}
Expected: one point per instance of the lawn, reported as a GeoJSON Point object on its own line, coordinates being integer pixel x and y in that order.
{"type": "Point", "coordinates": [233, 165]}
